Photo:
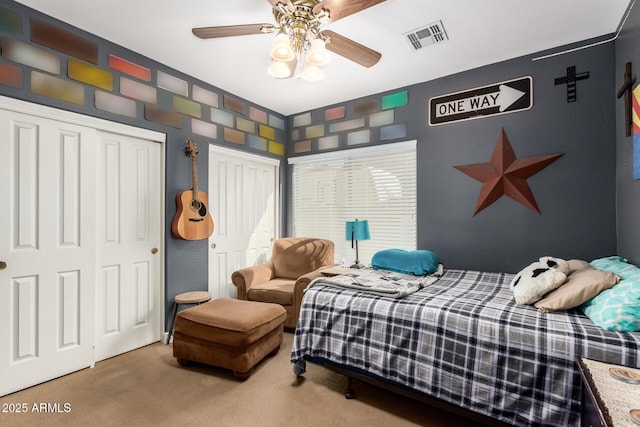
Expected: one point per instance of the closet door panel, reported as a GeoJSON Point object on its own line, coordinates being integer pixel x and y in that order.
{"type": "Point", "coordinates": [128, 216]}
{"type": "Point", "coordinates": [48, 247]}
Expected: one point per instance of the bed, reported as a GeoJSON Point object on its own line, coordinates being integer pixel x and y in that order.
{"type": "Point", "coordinates": [459, 342]}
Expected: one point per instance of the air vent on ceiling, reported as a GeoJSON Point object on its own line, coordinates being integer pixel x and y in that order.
{"type": "Point", "coordinates": [430, 34]}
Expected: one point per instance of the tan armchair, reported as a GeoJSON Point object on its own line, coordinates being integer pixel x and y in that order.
{"type": "Point", "coordinates": [295, 262]}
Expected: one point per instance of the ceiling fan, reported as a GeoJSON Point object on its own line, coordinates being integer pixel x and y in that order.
{"type": "Point", "coordinates": [299, 47]}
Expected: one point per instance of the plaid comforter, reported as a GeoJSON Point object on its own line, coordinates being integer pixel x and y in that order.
{"type": "Point", "coordinates": [464, 340]}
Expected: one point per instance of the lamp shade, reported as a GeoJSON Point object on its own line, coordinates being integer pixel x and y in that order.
{"type": "Point", "coordinates": [318, 54]}
{"type": "Point", "coordinates": [279, 70]}
{"type": "Point", "coordinates": [312, 73]}
{"type": "Point", "coordinates": [282, 50]}
{"type": "Point", "coordinates": [357, 230]}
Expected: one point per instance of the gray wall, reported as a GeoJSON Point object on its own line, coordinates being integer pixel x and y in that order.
{"type": "Point", "coordinates": [576, 193]}
{"type": "Point", "coordinates": [628, 189]}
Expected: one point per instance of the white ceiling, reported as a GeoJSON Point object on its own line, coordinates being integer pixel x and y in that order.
{"type": "Point", "coordinates": [480, 32]}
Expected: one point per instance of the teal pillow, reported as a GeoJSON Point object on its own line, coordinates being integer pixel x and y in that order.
{"type": "Point", "coordinates": [618, 308]}
{"type": "Point", "coordinates": [418, 263]}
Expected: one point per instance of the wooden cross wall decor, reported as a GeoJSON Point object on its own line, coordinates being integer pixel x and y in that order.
{"type": "Point", "coordinates": [627, 91]}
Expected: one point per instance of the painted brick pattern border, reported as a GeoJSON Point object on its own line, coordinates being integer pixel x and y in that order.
{"type": "Point", "coordinates": [40, 56]}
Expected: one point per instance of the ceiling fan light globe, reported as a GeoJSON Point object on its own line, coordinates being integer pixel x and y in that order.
{"type": "Point", "coordinates": [312, 73]}
{"type": "Point", "coordinates": [279, 70]}
{"type": "Point", "coordinates": [282, 50]}
{"type": "Point", "coordinates": [318, 55]}
{"type": "Point", "coordinates": [281, 38]}
{"type": "Point", "coordinates": [282, 55]}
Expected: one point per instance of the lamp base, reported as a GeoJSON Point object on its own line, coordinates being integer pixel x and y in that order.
{"type": "Point", "coordinates": [357, 265]}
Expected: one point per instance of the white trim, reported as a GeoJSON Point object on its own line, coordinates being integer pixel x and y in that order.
{"type": "Point", "coordinates": [244, 155]}
{"type": "Point", "coordinates": [354, 152]}
{"type": "Point", "coordinates": [47, 112]}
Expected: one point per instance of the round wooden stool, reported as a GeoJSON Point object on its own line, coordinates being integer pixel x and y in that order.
{"type": "Point", "coordinates": [187, 298]}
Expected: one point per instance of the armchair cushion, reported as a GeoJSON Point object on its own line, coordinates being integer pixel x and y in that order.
{"type": "Point", "coordinates": [278, 291]}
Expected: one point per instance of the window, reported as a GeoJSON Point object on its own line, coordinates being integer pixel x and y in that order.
{"type": "Point", "coordinates": [373, 183]}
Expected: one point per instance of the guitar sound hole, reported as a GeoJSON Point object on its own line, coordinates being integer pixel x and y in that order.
{"type": "Point", "coordinates": [198, 206]}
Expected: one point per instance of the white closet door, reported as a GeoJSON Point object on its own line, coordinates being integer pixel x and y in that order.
{"type": "Point", "coordinates": [80, 241]}
{"type": "Point", "coordinates": [47, 242]}
{"type": "Point", "coordinates": [129, 238]}
{"type": "Point", "coordinates": [243, 200]}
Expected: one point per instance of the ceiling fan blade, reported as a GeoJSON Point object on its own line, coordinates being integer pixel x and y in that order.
{"type": "Point", "coordinates": [288, 3]}
{"type": "Point", "coordinates": [231, 30]}
{"type": "Point", "coordinates": [351, 50]}
{"type": "Point", "coordinates": [339, 9]}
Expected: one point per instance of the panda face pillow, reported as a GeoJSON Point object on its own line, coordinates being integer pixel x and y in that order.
{"type": "Point", "coordinates": [538, 279]}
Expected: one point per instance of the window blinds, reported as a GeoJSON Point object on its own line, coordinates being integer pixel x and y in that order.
{"type": "Point", "coordinates": [373, 183]}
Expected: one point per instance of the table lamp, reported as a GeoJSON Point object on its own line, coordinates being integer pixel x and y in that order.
{"type": "Point", "coordinates": [357, 230]}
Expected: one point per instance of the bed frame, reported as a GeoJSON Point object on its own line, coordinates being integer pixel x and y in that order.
{"type": "Point", "coordinates": [368, 378]}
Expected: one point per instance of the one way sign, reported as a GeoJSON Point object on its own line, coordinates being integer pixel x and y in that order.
{"type": "Point", "coordinates": [499, 98]}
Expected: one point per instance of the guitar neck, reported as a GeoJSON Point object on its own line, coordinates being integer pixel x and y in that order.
{"type": "Point", "coordinates": [194, 172]}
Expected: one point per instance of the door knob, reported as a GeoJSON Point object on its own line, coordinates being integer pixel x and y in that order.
{"type": "Point", "coordinates": [154, 251]}
{"type": "Point", "coordinates": [213, 246]}
{"type": "Point", "coordinates": [3, 265]}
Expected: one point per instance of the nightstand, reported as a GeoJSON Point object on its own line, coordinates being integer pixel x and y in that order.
{"type": "Point", "coordinates": [605, 400]}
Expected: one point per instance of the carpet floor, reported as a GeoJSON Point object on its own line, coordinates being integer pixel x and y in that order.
{"type": "Point", "coordinates": [147, 387]}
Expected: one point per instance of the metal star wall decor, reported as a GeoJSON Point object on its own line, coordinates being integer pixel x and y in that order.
{"type": "Point", "coordinates": [506, 175]}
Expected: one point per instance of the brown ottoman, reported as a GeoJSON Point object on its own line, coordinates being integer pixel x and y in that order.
{"type": "Point", "coordinates": [229, 333]}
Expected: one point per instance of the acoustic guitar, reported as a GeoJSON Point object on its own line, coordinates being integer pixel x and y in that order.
{"type": "Point", "coordinates": [193, 220]}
